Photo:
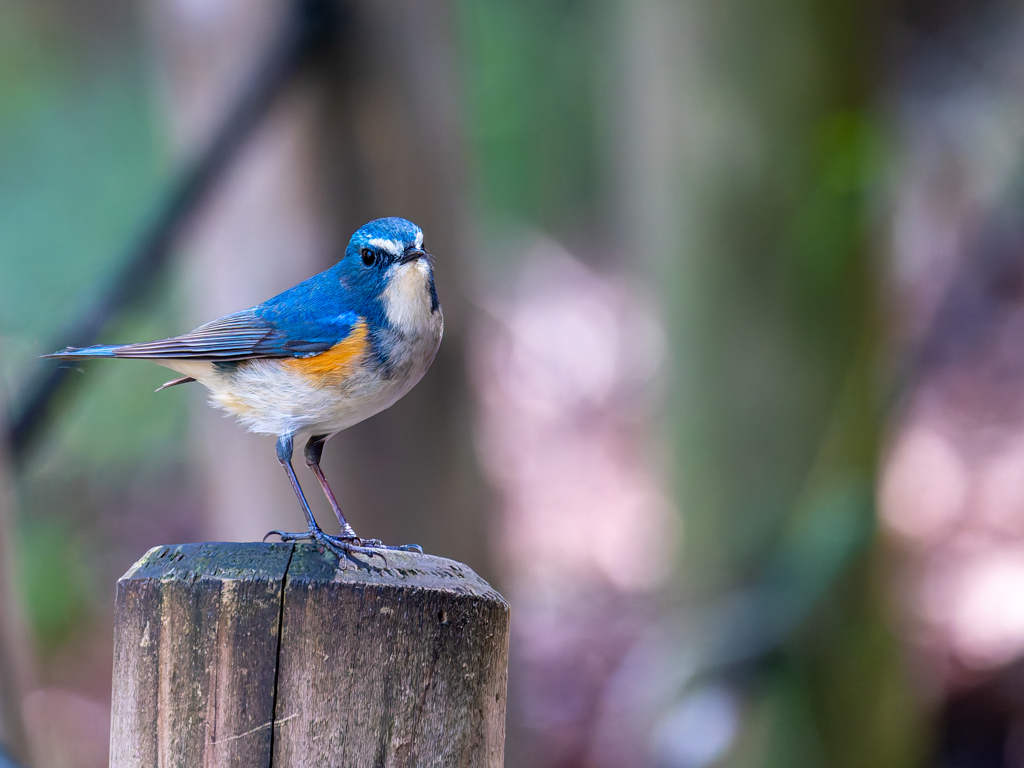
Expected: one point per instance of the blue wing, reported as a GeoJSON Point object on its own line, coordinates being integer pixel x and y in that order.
{"type": "Point", "coordinates": [241, 336]}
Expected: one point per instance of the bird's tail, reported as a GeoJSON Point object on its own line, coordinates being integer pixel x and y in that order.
{"type": "Point", "coordinates": [112, 350]}
{"type": "Point", "coordinates": [85, 353]}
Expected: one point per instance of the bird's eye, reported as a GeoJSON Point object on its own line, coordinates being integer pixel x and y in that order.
{"type": "Point", "coordinates": [368, 256]}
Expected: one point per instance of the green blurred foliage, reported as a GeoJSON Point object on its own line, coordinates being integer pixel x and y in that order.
{"type": "Point", "coordinates": [82, 161]}
{"type": "Point", "coordinates": [81, 164]}
{"type": "Point", "coordinates": [532, 87]}
{"type": "Point", "coordinates": [778, 348]}
{"type": "Point", "coordinates": [56, 578]}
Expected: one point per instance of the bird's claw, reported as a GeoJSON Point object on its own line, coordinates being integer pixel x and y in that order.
{"type": "Point", "coordinates": [378, 544]}
{"type": "Point", "coordinates": [289, 537]}
{"type": "Point", "coordinates": [340, 546]}
{"type": "Point", "coordinates": [409, 548]}
{"type": "Point", "coordinates": [345, 546]}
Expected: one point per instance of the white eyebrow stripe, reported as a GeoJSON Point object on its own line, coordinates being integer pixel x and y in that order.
{"type": "Point", "coordinates": [391, 246]}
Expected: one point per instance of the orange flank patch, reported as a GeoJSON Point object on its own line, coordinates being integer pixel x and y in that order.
{"type": "Point", "coordinates": [337, 363]}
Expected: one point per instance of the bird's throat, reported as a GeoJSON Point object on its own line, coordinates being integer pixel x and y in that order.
{"type": "Point", "coordinates": [407, 298]}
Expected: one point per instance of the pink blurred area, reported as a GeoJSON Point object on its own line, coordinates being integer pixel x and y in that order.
{"type": "Point", "coordinates": [951, 493]}
{"type": "Point", "coordinates": [568, 366]}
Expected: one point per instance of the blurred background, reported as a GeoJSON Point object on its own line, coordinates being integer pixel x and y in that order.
{"type": "Point", "coordinates": [730, 404]}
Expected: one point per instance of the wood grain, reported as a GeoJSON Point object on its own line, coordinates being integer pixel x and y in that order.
{"type": "Point", "coordinates": [277, 655]}
{"type": "Point", "coordinates": [195, 656]}
{"type": "Point", "coordinates": [397, 666]}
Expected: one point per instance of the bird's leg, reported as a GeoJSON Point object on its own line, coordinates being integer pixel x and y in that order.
{"type": "Point", "coordinates": [314, 451]}
{"type": "Point", "coordinates": [338, 546]}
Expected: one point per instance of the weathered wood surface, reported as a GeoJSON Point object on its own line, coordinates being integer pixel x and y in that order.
{"type": "Point", "coordinates": [279, 655]}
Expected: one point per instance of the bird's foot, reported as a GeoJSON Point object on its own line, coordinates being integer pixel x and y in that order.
{"type": "Point", "coordinates": [345, 546]}
{"type": "Point", "coordinates": [340, 546]}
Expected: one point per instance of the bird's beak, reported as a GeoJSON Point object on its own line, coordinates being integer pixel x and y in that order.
{"type": "Point", "coordinates": [411, 255]}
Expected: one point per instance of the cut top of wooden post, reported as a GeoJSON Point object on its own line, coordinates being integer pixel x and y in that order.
{"type": "Point", "coordinates": [279, 655]}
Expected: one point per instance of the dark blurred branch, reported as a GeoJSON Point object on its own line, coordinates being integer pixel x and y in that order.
{"type": "Point", "coordinates": [309, 26]}
{"type": "Point", "coordinates": [17, 667]}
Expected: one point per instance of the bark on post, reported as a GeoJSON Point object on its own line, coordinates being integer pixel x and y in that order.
{"type": "Point", "coordinates": [278, 655]}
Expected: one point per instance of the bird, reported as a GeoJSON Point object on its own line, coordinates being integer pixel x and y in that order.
{"type": "Point", "coordinates": [323, 355]}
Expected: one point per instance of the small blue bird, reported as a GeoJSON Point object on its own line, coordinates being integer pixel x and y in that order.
{"type": "Point", "coordinates": [318, 358]}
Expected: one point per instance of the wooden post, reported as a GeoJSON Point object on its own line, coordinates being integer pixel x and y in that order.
{"type": "Point", "coordinates": [279, 655]}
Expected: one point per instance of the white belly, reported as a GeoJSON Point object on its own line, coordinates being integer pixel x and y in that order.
{"type": "Point", "coordinates": [270, 397]}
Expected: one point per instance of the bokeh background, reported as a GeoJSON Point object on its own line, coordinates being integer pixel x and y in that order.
{"type": "Point", "coordinates": [730, 404]}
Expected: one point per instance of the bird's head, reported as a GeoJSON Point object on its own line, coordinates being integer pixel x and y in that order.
{"type": "Point", "coordinates": [385, 260]}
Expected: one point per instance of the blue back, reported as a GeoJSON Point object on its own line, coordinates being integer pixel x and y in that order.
{"type": "Point", "coordinates": [319, 312]}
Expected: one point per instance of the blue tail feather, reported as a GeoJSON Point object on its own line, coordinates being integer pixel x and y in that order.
{"type": "Point", "coordinates": [84, 353]}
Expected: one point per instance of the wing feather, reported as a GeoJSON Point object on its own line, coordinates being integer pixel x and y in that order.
{"type": "Point", "coordinates": [241, 336]}
{"type": "Point", "coordinates": [234, 337]}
